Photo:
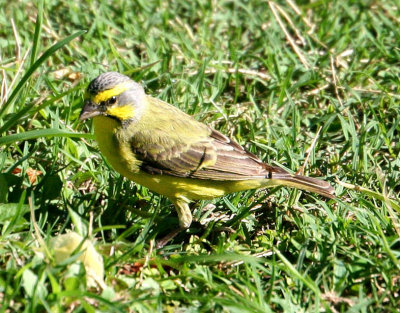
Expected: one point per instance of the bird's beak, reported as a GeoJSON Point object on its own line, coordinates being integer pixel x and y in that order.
{"type": "Point", "coordinates": [89, 110]}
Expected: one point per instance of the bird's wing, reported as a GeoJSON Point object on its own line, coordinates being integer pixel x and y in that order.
{"type": "Point", "coordinates": [183, 147]}
{"type": "Point", "coordinates": [233, 162]}
{"type": "Point", "coordinates": [208, 158]}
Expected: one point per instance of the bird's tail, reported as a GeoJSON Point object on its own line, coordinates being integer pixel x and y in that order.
{"type": "Point", "coordinates": [305, 183]}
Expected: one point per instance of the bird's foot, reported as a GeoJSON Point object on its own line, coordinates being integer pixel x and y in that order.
{"type": "Point", "coordinates": [164, 240]}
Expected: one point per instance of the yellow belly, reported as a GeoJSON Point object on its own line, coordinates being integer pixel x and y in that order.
{"type": "Point", "coordinates": [118, 153]}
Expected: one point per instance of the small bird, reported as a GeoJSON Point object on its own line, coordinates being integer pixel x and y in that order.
{"type": "Point", "coordinates": [162, 148]}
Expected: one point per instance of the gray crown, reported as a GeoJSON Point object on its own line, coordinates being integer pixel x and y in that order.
{"type": "Point", "coordinates": [106, 81]}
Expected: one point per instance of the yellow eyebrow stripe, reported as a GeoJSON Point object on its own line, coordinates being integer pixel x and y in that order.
{"type": "Point", "coordinates": [107, 94]}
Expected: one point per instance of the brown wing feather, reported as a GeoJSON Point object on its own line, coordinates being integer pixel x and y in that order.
{"type": "Point", "coordinates": [234, 163]}
{"type": "Point", "coordinates": [215, 157]}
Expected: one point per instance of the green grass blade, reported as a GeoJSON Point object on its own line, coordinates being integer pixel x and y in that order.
{"type": "Point", "coordinates": [372, 194]}
{"type": "Point", "coordinates": [38, 30]}
{"type": "Point", "coordinates": [33, 68]}
{"type": "Point", "coordinates": [50, 132]}
{"type": "Point", "coordinates": [293, 271]}
{"type": "Point", "coordinates": [30, 110]}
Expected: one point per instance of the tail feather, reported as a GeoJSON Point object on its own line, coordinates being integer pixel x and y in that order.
{"type": "Point", "coordinates": [305, 183]}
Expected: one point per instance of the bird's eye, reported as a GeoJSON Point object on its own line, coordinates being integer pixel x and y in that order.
{"type": "Point", "coordinates": [112, 100]}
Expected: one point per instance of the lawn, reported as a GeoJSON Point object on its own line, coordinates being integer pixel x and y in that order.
{"type": "Point", "coordinates": [308, 86]}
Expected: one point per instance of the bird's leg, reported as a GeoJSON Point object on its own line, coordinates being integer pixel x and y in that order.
{"type": "Point", "coordinates": [185, 220]}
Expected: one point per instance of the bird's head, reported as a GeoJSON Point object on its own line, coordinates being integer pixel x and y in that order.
{"type": "Point", "coordinates": [113, 95]}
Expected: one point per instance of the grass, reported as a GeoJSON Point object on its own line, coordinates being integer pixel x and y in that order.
{"type": "Point", "coordinates": [311, 85]}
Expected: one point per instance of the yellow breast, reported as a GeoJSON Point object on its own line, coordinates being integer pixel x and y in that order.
{"type": "Point", "coordinates": [106, 131]}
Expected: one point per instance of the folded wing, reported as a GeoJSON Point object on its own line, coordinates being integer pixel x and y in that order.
{"type": "Point", "coordinates": [213, 157]}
